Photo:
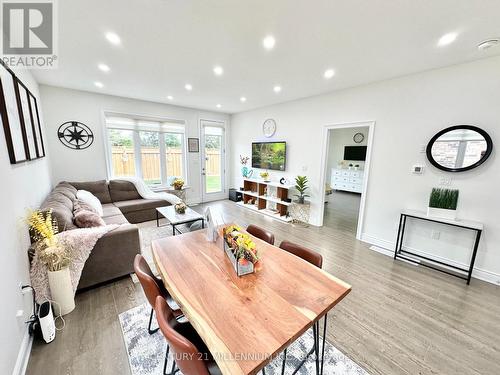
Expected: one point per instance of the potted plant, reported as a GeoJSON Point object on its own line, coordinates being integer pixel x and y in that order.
{"type": "Point", "coordinates": [180, 208]}
{"type": "Point", "coordinates": [265, 176]}
{"type": "Point", "coordinates": [56, 257]}
{"type": "Point", "coordinates": [443, 203]}
{"type": "Point", "coordinates": [301, 187]}
{"type": "Point", "coordinates": [178, 183]}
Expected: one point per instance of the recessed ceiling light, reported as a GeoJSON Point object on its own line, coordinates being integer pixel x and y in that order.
{"type": "Point", "coordinates": [243, 99]}
{"type": "Point", "coordinates": [170, 97]}
{"type": "Point", "coordinates": [218, 70]}
{"type": "Point", "coordinates": [486, 44]}
{"type": "Point", "coordinates": [188, 87]}
{"type": "Point", "coordinates": [269, 42]}
{"type": "Point", "coordinates": [277, 89]}
{"type": "Point", "coordinates": [103, 67]}
{"type": "Point", "coordinates": [113, 38]}
{"type": "Point", "coordinates": [447, 39]}
{"type": "Point", "coordinates": [99, 84]}
{"type": "Point", "coordinates": [329, 73]}
{"type": "Point", "coordinates": [218, 106]}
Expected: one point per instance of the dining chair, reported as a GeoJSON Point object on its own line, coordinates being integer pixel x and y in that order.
{"type": "Point", "coordinates": [261, 233]}
{"type": "Point", "coordinates": [315, 259]}
{"type": "Point", "coordinates": [308, 255]}
{"type": "Point", "coordinates": [190, 353]}
{"type": "Point", "coordinates": [153, 287]}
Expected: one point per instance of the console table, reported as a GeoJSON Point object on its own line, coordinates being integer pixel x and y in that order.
{"type": "Point", "coordinates": [460, 272]}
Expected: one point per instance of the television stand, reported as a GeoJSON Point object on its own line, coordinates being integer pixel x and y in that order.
{"type": "Point", "coordinates": [266, 197]}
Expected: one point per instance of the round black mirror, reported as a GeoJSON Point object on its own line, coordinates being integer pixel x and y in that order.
{"type": "Point", "coordinates": [459, 148]}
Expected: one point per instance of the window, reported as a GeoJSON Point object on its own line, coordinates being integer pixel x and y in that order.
{"type": "Point", "coordinates": [144, 148]}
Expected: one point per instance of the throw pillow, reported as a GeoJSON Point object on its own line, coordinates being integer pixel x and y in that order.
{"type": "Point", "coordinates": [80, 205]}
{"type": "Point", "coordinates": [88, 219]}
{"type": "Point", "coordinates": [91, 199]}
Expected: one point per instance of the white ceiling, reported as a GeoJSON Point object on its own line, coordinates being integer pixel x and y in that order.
{"type": "Point", "coordinates": [168, 43]}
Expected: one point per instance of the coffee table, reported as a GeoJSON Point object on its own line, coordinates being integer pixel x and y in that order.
{"type": "Point", "coordinates": [169, 213]}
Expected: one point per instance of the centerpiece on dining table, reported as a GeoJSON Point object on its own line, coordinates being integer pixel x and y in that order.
{"type": "Point", "coordinates": [241, 250]}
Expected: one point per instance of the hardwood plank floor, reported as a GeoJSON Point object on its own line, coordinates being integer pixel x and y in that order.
{"type": "Point", "coordinates": [398, 319]}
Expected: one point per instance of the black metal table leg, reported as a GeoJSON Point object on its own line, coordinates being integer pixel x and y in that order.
{"type": "Point", "coordinates": [157, 219]}
{"type": "Point", "coordinates": [323, 348]}
{"type": "Point", "coordinates": [284, 362]}
{"type": "Point", "coordinates": [173, 229]}
{"type": "Point", "coordinates": [474, 253]}
{"type": "Point", "coordinates": [399, 234]}
{"type": "Point", "coordinates": [202, 223]}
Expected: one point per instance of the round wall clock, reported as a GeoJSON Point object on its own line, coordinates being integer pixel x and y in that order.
{"type": "Point", "coordinates": [269, 127]}
{"type": "Point", "coordinates": [358, 137]}
{"type": "Point", "coordinates": [75, 135]}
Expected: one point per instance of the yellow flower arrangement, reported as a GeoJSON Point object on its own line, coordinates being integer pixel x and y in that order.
{"type": "Point", "coordinates": [44, 230]}
{"type": "Point", "coordinates": [178, 183]}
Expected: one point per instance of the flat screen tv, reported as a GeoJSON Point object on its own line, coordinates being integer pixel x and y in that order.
{"type": "Point", "coordinates": [269, 155]}
{"type": "Point", "coordinates": [355, 153]}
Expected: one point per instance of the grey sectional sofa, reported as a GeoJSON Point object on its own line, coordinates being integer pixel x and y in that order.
{"type": "Point", "coordinates": [113, 255]}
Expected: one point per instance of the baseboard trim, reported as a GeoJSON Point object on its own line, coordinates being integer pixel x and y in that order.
{"type": "Point", "coordinates": [387, 248]}
{"type": "Point", "coordinates": [24, 354]}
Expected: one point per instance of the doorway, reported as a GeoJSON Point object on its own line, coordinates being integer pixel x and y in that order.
{"type": "Point", "coordinates": [346, 153]}
{"type": "Point", "coordinates": [213, 160]}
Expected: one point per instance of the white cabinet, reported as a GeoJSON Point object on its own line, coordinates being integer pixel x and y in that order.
{"type": "Point", "coordinates": [347, 180]}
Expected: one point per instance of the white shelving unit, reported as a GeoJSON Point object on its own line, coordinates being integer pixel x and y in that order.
{"type": "Point", "coordinates": [266, 197]}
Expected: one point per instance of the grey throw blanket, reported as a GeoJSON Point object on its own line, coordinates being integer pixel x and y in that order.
{"type": "Point", "coordinates": [80, 242]}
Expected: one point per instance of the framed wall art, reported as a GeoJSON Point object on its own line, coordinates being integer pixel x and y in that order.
{"type": "Point", "coordinates": [13, 127]}
{"type": "Point", "coordinates": [193, 145]}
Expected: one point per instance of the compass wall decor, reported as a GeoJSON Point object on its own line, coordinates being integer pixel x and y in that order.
{"type": "Point", "coordinates": [75, 135]}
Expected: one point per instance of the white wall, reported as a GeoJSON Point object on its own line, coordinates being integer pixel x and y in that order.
{"type": "Point", "coordinates": [408, 111]}
{"type": "Point", "coordinates": [339, 138]}
{"type": "Point", "coordinates": [61, 105]}
{"type": "Point", "coordinates": [23, 185]}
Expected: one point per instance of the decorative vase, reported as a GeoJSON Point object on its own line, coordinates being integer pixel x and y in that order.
{"type": "Point", "coordinates": [178, 187]}
{"type": "Point", "coordinates": [61, 291]}
{"type": "Point", "coordinates": [442, 213]}
{"type": "Point", "coordinates": [247, 173]}
{"type": "Point", "coordinates": [300, 200]}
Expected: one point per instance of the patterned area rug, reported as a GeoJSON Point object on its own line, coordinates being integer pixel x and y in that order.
{"type": "Point", "coordinates": [147, 352]}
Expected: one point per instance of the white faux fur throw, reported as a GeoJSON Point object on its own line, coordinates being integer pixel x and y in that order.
{"type": "Point", "coordinates": [146, 193]}
{"type": "Point", "coordinates": [80, 242]}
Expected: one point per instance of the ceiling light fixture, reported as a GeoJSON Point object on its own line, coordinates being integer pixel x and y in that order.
{"type": "Point", "coordinates": [486, 44]}
{"type": "Point", "coordinates": [113, 38]}
{"type": "Point", "coordinates": [218, 70]}
{"type": "Point", "coordinates": [447, 39]}
{"type": "Point", "coordinates": [277, 89]}
{"type": "Point", "coordinates": [103, 67]}
{"type": "Point", "coordinates": [243, 99]}
{"type": "Point", "coordinates": [170, 97]}
{"type": "Point", "coordinates": [188, 87]}
{"type": "Point", "coordinates": [329, 73]}
{"type": "Point", "coordinates": [218, 106]}
{"type": "Point", "coordinates": [269, 42]}
{"type": "Point", "coordinates": [99, 84]}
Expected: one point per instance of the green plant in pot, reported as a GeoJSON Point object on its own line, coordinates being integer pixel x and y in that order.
{"type": "Point", "coordinates": [443, 203]}
{"type": "Point", "coordinates": [301, 187]}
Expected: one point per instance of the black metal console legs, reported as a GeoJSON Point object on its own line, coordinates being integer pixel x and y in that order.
{"type": "Point", "coordinates": [460, 272]}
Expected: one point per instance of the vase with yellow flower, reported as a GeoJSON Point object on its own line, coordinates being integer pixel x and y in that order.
{"type": "Point", "coordinates": [56, 257]}
{"type": "Point", "coordinates": [178, 183]}
{"type": "Point", "coordinates": [241, 250]}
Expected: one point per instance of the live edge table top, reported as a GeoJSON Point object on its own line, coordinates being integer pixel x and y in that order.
{"type": "Point", "coordinates": [244, 321]}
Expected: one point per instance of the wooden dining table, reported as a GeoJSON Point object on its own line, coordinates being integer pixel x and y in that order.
{"type": "Point", "coordinates": [244, 321]}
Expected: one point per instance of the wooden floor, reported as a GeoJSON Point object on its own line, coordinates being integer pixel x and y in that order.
{"type": "Point", "coordinates": [398, 319]}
